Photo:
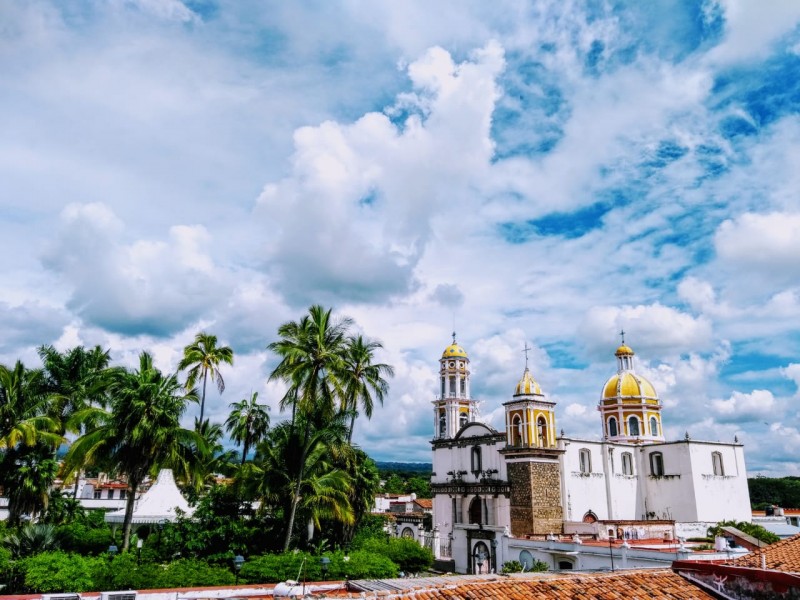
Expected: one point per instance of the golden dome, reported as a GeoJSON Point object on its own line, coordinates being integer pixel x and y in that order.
{"type": "Point", "coordinates": [624, 351]}
{"type": "Point", "coordinates": [454, 351]}
{"type": "Point", "coordinates": [527, 385]}
{"type": "Point", "coordinates": [627, 385]}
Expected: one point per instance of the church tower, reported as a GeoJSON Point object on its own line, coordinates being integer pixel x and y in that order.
{"type": "Point", "coordinates": [532, 460]}
{"type": "Point", "coordinates": [453, 408]}
{"type": "Point", "coordinates": [629, 405]}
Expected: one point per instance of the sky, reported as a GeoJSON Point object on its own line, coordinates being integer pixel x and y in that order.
{"type": "Point", "coordinates": [546, 172]}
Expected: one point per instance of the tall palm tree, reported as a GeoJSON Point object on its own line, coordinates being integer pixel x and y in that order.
{"type": "Point", "coordinates": [74, 380]}
{"type": "Point", "coordinates": [203, 358]}
{"type": "Point", "coordinates": [23, 407]}
{"type": "Point", "coordinates": [214, 459]}
{"type": "Point", "coordinates": [141, 433]}
{"type": "Point", "coordinates": [27, 473]}
{"type": "Point", "coordinates": [364, 379]}
{"type": "Point", "coordinates": [312, 353]}
{"type": "Point", "coordinates": [248, 423]}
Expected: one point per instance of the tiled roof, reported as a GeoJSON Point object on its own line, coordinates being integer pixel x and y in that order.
{"type": "Point", "coordinates": [424, 502]}
{"type": "Point", "coordinates": [586, 586]}
{"type": "Point", "coordinates": [780, 556]}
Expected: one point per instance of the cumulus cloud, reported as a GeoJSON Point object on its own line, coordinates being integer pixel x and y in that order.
{"type": "Point", "coordinates": [144, 286]}
{"type": "Point", "coordinates": [766, 244]}
{"type": "Point", "coordinates": [652, 328]}
{"type": "Point", "coordinates": [744, 407]}
{"type": "Point", "coordinates": [353, 218]}
{"type": "Point", "coordinates": [751, 29]}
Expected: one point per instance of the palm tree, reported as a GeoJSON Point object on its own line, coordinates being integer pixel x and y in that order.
{"type": "Point", "coordinates": [324, 488]}
{"type": "Point", "coordinates": [23, 408]}
{"type": "Point", "coordinates": [214, 459]}
{"type": "Point", "coordinates": [203, 358]}
{"type": "Point", "coordinates": [248, 423]}
{"type": "Point", "coordinates": [312, 363]}
{"type": "Point", "coordinates": [363, 379]}
{"type": "Point", "coordinates": [27, 473]}
{"type": "Point", "coordinates": [141, 433]}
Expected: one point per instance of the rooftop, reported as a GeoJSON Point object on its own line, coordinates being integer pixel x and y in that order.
{"type": "Point", "coordinates": [780, 556]}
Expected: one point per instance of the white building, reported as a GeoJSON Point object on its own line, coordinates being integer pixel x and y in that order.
{"type": "Point", "coordinates": [493, 489]}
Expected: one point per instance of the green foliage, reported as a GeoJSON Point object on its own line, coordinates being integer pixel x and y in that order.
{"type": "Point", "coordinates": [371, 526]}
{"type": "Point", "coordinates": [63, 508]}
{"type": "Point", "coordinates": [539, 567]}
{"type": "Point", "coordinates": [421, 486]}
{"type": "Point", "coordinates": [757, 531]}
{"type": "Point", "coordinates": [30, 539]}
{"type": "Point", "coordinates": [780, 491]}
{"type": "Point", "coordinates": [400, 483]}
{"type": "Point", "coordinates": [406, 554]}
{"type": "Point", "coordinates": [512, 566]}
{"type": "Point", "coordinates": [59, 572]}
{"type": "Point", "coordinates": [84, 539]}
{"type": "Point", "coordinates": [394, 484]}
{"type": "Point", "coordinates": [303, 566]}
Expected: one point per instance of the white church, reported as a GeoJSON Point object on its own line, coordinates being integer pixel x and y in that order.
{"type": "Point", "coordinates": [514, 494]}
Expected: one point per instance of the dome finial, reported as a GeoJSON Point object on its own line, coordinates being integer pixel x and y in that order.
{"type": "Point", "coordinates": [526, 349]}
{"type": "Point", "coordinates": [454, 336]}
{"type": "Point", "coordinates": [622, 335]}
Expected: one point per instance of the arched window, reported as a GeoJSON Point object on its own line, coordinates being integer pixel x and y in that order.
{"type": "Point", "coordinates": [565, 565]}
{"type": "Point", "coordinates": [541, 426]}
{"type": "Point", "coordinates": [653, 426]}
{"type": "Point", "coordinates": [590, 517]}
{"type": "Point", "coordinates": [716, 462]}
{"type": "Point", "coordinates": [612, 427]}
{"type": "Point", "coordinates": [443, 388]}
{"type": "Point", "coordinates": [463, 418]}
{"type": "Point", "coordinates": [463, 387]}
{"type": "Point", "coordinates": [633, 426]}
{"type": "Point", "coordinates": [585, 461]}
{"type": "Point", "coordinates": [476, 511]}
{"type": "Point", "coordinates": [516, 433]}
{"type": "Point", "coordinates": [656, 464]}
{"type": "Point", "coordinates": [442, 425]}
{"type": "Point", "coordinates": [452, 386]}
{"type": "Point", "coordinates": [627, 463]}
{"type": "Point", "coordinates": [477, 467]}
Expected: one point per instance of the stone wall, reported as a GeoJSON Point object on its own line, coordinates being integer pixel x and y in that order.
{"type": "Point", "coordinates": [535, 498]}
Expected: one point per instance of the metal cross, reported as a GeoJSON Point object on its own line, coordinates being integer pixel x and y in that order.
{"type": "Point", "coordinates": [525, 350]}
{"type": "Point", "coordinates": [622, 334]}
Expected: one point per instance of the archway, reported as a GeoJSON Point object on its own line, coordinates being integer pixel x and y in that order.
{"type": "Point", "coordinates": [481, 559]}
{"type": "Point", "coordinates": [476, 511]}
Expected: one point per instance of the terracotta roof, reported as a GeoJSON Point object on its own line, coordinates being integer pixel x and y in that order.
{"type": "Point", "coordinates": [586, 586]}
{"type": "Point", "coordinates": [780, 556]}
{"type": "Point", "coordinates": [424, 502]}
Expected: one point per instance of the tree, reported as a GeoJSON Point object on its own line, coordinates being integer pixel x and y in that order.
{"type": "Point", "coordinates": [202, 358]}
{"type": "Point", "coordinates": [27, 473]}
{"type": "Point", "coordinates": [141, 433]}
{"type": "Point", "coordinates": [312, 353]}
{"type": "Point", "coordinates": [22, 409]}
{"type": "Point", "coordinates": [248, 423]}
{"type": "Point", "coordinates": [363, 379]}
{"type": "Point", "coordinates": [213, 459]}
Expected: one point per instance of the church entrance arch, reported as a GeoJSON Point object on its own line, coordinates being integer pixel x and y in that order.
{"type": "Point", "coordinates": [475, 511]}
{"type": "Point", "coordinates": [481, 559]}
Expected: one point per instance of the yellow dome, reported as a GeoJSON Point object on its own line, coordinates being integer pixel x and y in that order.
{"type": "Point", "coordinates": [624, 351]}
{"type": "Point", "coordinates": [527, 385]}
{"type": "Point", "coordinates": [454, 350]}
{"type": "Point", "coordinates": [627, 385]}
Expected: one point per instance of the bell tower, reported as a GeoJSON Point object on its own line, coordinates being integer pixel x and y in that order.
{"type": "Point", "coordinates": [453, 408]}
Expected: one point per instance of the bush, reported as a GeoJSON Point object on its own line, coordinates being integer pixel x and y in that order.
{"type": "Point", "coordinates": [302, 566]}
{"type": "Point", "coordinates": [84, 539]}
{"type": "Point", "coordinates": [124, 572]}
{"type": "Point", "coordinates": [757, 531]}
{"type": "Point", "coordinates": [407, 554]}
{"type": "Point", "coordinates": [512, 566]}
{"type": "Point", "coordinates": [59, 572]}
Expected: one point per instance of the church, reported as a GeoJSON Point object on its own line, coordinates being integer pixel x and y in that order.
{"type": "Point", "coordinates": [528, 482]}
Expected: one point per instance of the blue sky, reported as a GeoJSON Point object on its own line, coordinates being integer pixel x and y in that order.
{"type": "Point", "coordinates": [541, 172]}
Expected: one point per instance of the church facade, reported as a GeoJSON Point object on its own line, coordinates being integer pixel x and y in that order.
{"type": "Point", "coordinates": [527, 481]}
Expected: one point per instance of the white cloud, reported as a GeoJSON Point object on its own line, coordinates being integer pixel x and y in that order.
{"type": "Point", "coordinates": [767, 244]}
{"type": "Point", "coordinates": [758, 404]}
{"type": "Point", "coordinates": [752, 28]}
{"type": "Point", "coordinates": [792, 371]}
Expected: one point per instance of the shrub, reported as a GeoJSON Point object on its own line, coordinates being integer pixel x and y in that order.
{"type": "Point", "coordinates": [757, 531]}
{"type": "Point", "coordinates": [405, 553]}
{"type": "Point", "coordinates": [302, 566]}
{"type": "Point", "coordinates": [512, 566]}
{"type": "Point", "coordinates": [189, 572]}
{"type": "Point", "coordinates": [58, 572]}
{"type": "Point", "coordinates": [84, 539]}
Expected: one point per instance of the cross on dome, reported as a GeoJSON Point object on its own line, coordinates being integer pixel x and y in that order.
{"type": "Point", "coordinates": [525, 350]}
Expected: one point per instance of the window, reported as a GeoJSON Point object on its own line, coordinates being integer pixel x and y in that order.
{"type": "Point", "coordinates": [585, 461]}
{"type": "Point", "coordinates": [98, 494]}
{"type": "Point", "coordinates": [516, 432]}
{"type": "Point", "coordinates": [612, 427]}
{"type": "Point", "coordinates": [442, 425]}
{"type": "Point", "coordinates": [477, 467]}
{"type": "Point", "coordinates": [627, 463]}
{"type": "Point", "coordinates": [456, 512]}
{"type": "Point", "coordinates": [633, 426]}
{"type": "Point", "coordinates": [443, 390]}
{"type": "Point", "coordinates": [123, 494]}
{"type": "Point", "coordinates": [452, 386]}
{"type": "Point", "coordinates": [716, 461]}
{"type": "Point", "coordinates": [541, 426]}
{"type": "Point", "coordinates": [653, 426]}
{"type": "Point", "coordinates": [656, 464]}
{"type": "Point", "coordinates": [476, 510]}
{"type": "Point", "coordinates": [110, 494]}
{"type": "Point", "coordinates": [565, 565]}
{"type": "Point", "coordinates": [463, 419]}
{"type": "Point", "coordinates": [590, 517]}
{"type": "Point", "coordinates": [463, 387]}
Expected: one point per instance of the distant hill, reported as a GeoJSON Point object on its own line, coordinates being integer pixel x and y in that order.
{"type": "Point", "coordinates": [401, 467]}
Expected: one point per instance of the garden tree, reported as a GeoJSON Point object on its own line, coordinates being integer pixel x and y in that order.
{"type": "Point", "coordinates": [74, 380]}
{"type": "Point", "coordinates": [30, 539]}
{"type": "Point", "coordinates": [248, 423]}
{"type": "Point", "coordinates": [757, 531]}
{"type": "Point", "coordinates": [363, 378]}
{"type": "Point", "coordinates": [213, 459]}
{"type": "Point", "coordinates": [23, 406]}
{"type": "Point", "coordinates": [421, 486]}
{"type": "Point", "coordinates": [26, 474]}
{"type": "Point", "coordinates": [141, 433]}
{"type": "Point", "coordinates": [323, 493]}
{"type": "Point", "coordinates": [365, 483]}
{"type": "Point", "coordinates": [202, 358]}
{"type": "Point", "coordinates": [312, 353]}
{"type": "Point", "coordinates": [394, 484]}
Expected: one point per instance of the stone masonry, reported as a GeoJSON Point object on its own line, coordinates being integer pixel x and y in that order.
{"type": "Point", "coordinates": [535, 497]}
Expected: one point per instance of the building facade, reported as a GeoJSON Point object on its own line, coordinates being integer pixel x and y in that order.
{"type": "Point", "coordinates": [527, 482]}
